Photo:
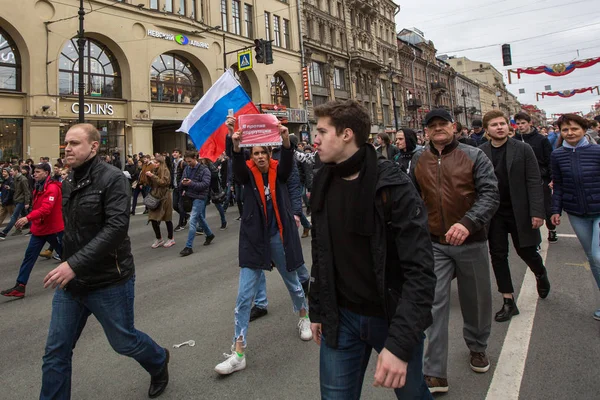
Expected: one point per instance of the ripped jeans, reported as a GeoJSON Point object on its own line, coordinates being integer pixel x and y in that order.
{"type": "Point", "coordinates": [249, 280]}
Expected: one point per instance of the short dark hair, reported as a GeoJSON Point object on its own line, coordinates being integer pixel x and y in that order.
{"type": "Point", "coordinates": [385, 137]}
{"type": "Point", "coordinates": [177, 150]}
{"type": "Point", "coordinates": [348, 114]}
{"type": "Point", "coordinates": [490, 115]}
{"type": "Point", "coordinates": [191, 154]}
{"type": "Point", "coordinates": [523, 116]}
{"type": "Point", "coordinates": [458, 127]}
{"type": "Point", "coordinates": [593, 123]}
{"type": "Point", "coordinates": [44, 167]}
{"type": "Point", "coordinates": [574, 118]}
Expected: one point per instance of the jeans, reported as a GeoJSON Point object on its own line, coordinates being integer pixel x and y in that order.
{"type": "Point", "coordinates": [113, 308]}
{"type": "Point", "coordinates": [260, 300]}
{"type": "Point", "coordinates": [304, 221]}
{"type": "Point", "coordinates": [36, 244]}
{"type": "Point", "coordinates": [198, 208]}
{"type": "Point", "coordinates": [136, 192]}
{"type": "Point", "coordinates": [19, 207]}
{"type": "Point", "coordinates": [178, 207]}
{"type": "Point", "coordinates": [249, 280]}
{"type": "Point", "coordinates": [6, 211]}
{"type": "Point", "coordinates": [221, 212]}
{"type": "Point", "coordinates": [342, 370]}
{"type": "Point", "coordinates": [587, 230]}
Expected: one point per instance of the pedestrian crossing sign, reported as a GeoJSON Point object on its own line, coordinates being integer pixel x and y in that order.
{"type": "Point", "coordinates": [245, 60]}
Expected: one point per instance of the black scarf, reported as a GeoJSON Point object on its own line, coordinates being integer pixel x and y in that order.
{"type": "Point", "coordinates": [363, 161]}
{"type": "Point", "coordinates": [39, 186]}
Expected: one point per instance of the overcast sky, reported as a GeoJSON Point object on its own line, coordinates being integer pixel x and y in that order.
{"type": "Point", "coordinates": [455, 26]}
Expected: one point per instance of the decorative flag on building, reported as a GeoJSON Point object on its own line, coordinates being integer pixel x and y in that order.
{"type": "Point", "coordinates": [568, 93]}
{"type": "Point", "coordinates": [560, 69]}
{"type": "Point", "coordinates": [205, 124]}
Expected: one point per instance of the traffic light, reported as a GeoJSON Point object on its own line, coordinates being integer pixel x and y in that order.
{"type": "Point", "coordinates": [268, 52]}
{"type": "Point", "coordinates": [506, 57]}
{"type": "Point", "coordinates": [259, 50]}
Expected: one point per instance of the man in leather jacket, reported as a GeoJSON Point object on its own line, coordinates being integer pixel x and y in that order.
{"type": "Point", "coordinates": [97, 274]}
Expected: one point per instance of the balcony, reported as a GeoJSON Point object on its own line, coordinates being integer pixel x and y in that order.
{"type": "Point", "coordinates": [458, 110]}
{"type": "Point", "coordinates": [366, 6]}
{"type": "Point", "coordinates": [414, 104]}
{"type": "Point", "coordinates": [367, 59]}
{"type": "Point", "coordinates": [439, 87]}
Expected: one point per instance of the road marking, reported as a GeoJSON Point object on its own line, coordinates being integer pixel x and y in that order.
{"type": "Point", "coordinates": [506, 382]}
{"type": "Point", "coordinates": [568, 235]}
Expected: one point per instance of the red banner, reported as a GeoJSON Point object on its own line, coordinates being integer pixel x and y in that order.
{"type": "Point", "coordinates": [568, 93]}
{"type": "Point", "coordinates": [259, 130]}
{"type": "Point", "coordinates": [560, 69]}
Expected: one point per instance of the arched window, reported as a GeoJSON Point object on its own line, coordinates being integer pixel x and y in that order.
{"type": "Point", "coordinates": [10, 64]}
{"type": "Point", "coordinates": [279, 91]}
{"type": "Point", "coordinates": [173, 79]}
{"type": "Point", "coordinates": [101, 74]}
{"type": "Point", "coordinates": [242, 79]}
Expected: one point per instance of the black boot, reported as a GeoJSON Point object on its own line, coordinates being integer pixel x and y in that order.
{"type": "Point", "coordinates": [509, 308]}
{"type": "Point", "coordinates": [543, 284]}
{"type": "Point", "coordinates": [305, 288]}
{"type": "Point", "coordinates": [159, 382]}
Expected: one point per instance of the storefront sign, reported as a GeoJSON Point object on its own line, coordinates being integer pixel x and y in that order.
{"type": "Point", "coordinates": [93, 109]}
{"type": "Point", "coordinates": [181, 39]}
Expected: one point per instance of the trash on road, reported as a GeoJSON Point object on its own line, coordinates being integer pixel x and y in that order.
{"type": "Point", "coordinates": [190, 343]}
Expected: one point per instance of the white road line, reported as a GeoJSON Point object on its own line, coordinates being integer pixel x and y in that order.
{"type": "Point", "coordinates": [506, 382]}
{"type": "Point", "coordinates": [567, 235]}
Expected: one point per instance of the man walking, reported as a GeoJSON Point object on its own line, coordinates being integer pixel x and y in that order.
{"type": "Point", "coordinates": [460, 191]}
{"type": "Point", "coordinates": [98, 273]}
{"type": "Point", "coordinates": [521, 211]}
{"type": "Point", "coordinates": [543, 150]}
{"type": "Point", "coordinates": [176, 175]}
{"type": "Point", "coordinates": [46, 225]}
{"type": "Point", "coordinates": [21, 199]}
{"type": "Point", "coordinates": [478, 134]}
{"type": "Point", "coordinates": [195, 185]}
{"type": "Point", "coordinates": [366, 290]}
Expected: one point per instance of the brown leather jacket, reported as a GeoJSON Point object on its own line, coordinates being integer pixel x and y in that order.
{"type": "Point", "coordinates": [457, 186]}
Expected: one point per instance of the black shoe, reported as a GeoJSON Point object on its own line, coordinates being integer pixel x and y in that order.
{"type": "Point", "coordinates": [178, 228]}
{"type": "Point", "coordinates": [209, 239]}
{"type": "Point", "coordinates": [132, 213]}
{"type": "Point", "coordinates": [186, 252]}
{"type": "Point", "coordinates": [224, 226]}
{"type": "Point", "coordinates": [145, 211]}
{"type": "Point", "coordinates": [2, 236]}
{"type": "Point", "coordinates": [158, 383]}
{"type": "Point", "coordinates": [552, 237]}
{"type": "Point", "coordinates": [257, 312]}
{"type": "Point", "coordinates": [239, 218]}
{"type": "Point", "coordinates": [543, 285]}
{"type": "Point", "coordinates": [508, 310]}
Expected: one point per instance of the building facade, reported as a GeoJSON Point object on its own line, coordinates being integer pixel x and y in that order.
{"type": "Point", "coordinates": [468, 107]}
{"type": "Point", "coordinates": [147, 62]}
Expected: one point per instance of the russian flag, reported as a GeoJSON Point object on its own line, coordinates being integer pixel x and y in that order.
{"type": "Point", "coordinates": [205, 124]}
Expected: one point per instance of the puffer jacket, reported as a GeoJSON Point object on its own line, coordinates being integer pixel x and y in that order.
{"type": "Point", "coordinates": [458, 185]}
{"type": "Point", "coordinates": [22, 192]}
{"type": "Point", "coordinates": [96, 214]}
{"type": "Point", "coordinates": [575, 176]}
{"type": "Point", "coordinates": [46, 214]}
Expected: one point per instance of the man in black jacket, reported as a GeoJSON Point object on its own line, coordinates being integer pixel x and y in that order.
{"type": "Point", "coordinates": [366, 290]}
{"type": "Point", "coordinates": [543, 149]}
{"type": "Point", "coordinates": [97, 275]}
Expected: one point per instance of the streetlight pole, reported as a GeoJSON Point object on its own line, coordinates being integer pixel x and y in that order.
{"type": "Point", "coordinates": [464, 96]}
{"type": "Point", "coordinates": [80, 48]}
{"type": "Point", "coordinates": [393, 94]}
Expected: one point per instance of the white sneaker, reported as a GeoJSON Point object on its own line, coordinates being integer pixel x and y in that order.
{"type": "Point", "coordinates": [169, 243]}
{"type": "Point", "coordinates": [157, 243]}
{"type": "Point", "coordinates": [304, 329]}
{"type": "Point", "coordinates": [232, 364]}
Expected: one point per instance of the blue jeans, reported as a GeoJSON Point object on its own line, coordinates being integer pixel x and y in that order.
{"type": "Point", "coordinates": [36, 244]}
{"type": "Point", "coordinates": [249, 280]}
{"type": "Point", "coordinates": [136, 192]}
{"type": "Point", "coordinates": [260, 300]}
{"type": "Point", "coordinates": [342, 370]}
{"type": "Point", "coordinates": [304, 221]}
{"type": "Point", "coordinates": [587, 230]}
{"type": "Point", "coordinates": [198, 208]}
{"type": "Point", "coordinates": [19, 207]}
{"type": "Point", "coordinates": [221, 212]}
{"type": "Point", "coordinates": [113, 308]}
{"type": "Point", "coordinates": [178, 206]}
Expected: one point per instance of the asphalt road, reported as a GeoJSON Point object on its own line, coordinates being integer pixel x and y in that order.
{"type": "Point", "coordinates": [178, 299]}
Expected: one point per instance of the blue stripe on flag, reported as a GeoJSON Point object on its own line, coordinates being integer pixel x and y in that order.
{"type": "Point", "coordinates": [215, 117]}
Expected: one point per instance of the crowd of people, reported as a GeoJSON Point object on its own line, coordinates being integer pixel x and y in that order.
{"type": "Point", "coordinates": [449, 195]}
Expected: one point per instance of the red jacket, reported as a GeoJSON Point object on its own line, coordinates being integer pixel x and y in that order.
{"type": "Point", "coordinates": [46, 215]}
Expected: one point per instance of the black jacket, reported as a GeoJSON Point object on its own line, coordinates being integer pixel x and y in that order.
{"type": "Point", "coordinates": [96, 215]}
{"type": "Point", "coordinates": [403, 260]}
{"type": "Point", "coordinates": [542, 148]}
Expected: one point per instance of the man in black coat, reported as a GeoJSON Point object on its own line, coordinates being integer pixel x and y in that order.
{"type": "Point", "coordinates": [521, 212]}
{"type": "Point", "coordinates": [365, 214]}
{"type": "Point", "coordinates": [97, 274]}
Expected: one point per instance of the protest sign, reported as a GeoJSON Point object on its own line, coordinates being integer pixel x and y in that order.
{"type": "Point", "coordinates": [259, 130]}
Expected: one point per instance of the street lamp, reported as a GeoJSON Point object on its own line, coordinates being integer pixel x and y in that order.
{"type": "Point", "coordinates": [464, 96]}
{"type": "Point", "coordinates": [80, 48]}
{"type": "Point", "coordinates": [390, 61]}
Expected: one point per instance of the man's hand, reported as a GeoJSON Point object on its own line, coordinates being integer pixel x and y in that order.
{"type": "Point", "coordinates": [391, 371]}
{"type": "Point", "coordinates": [230, 122]}
{"type": "Point", "coordinates": [21, 222]}
{"type": "Point", "coordinates": [285, 136]}
{"type": "Point", "coordinates": [297, 219]}
{"type": "Point", "coordinates": [59, 276]}
{"type": "Point", "coordinates": [185, 182]}
{"type": "Point", "coordinates": [457, 234]}
{"type": "Point", "coordinates": [237, 139]}
{"type": "Point", "coordinates": [316, 330]}
{"type": "Point", "coordinates": [27, 206]}
{"type": "Point", "coordinates": [551, 185]}
{"type": "Point", "coordinates": [536, 222]}
{"type": "Point", "coordinates": [555, 219]}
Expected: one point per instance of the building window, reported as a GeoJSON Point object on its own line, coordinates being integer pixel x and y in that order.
{"type": "Point", "coordinates": [329, 6]}
{"type": "Point", "coordinates": [286, 33]}
{"type": "Point", "coordinates": [332, 37]}
{"type": "Point", "coordinates": [181, 10]}
{"type": "Point", "coordinates": [235, 10]}
{"type": "Point", "coordinates": [112, 135]}
{"type": "Point", "coordinates": [319, 100]}
{"type": "Point", "coordinates": [267, 26]}
{"type": "Point", "coordinates": [242, 79]}
{"type": "Point", "coordinates": [248, 18]}
{"type": "Point", "coordinates": [193, 11]}
{"type": "Point", "coordinates": [154, 4]}
{"type": "Point", "coordinates": [173, 79]}
{"type": "Point", "coordinates": [316, 74]}
{"type": "Point", "coordinates": [224, 18]}
{"type": "Point", "coordinates": [102, 77]}
{"type": "Point", "coordinates": [11, 136]}
{"type": "Point", "coordinates": [339, 78]}
{"type": "Point", "coordinates": [276, 36]}
{"type": "Point", "coordinates": [340, 12]}
{"type": "Point", "coordinates": [322, 32]}
{"type": "Point", "coordinates": [168, 6]}
{"type": "Point", "coordinates": [342, 41]}
{"type": "Point", "coordinates": [279, 91]}
{"type": "Point", "coordinates": [10, 64]}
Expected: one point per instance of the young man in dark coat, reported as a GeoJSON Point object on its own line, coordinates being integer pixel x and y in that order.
{"type": "Point", "coordinates": [521, 212]}
{"type": "Point", "coordinates": [367, 291]}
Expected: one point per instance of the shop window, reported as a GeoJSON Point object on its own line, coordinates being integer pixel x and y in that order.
{"type": "Point", "coordinates": [279, 91]}
{"type": "Point", "coordinates": [10, 64]}
{"type": "Point", "coordinates": [317, 74]}
{"type": "Point", "coordinates": [11, 138]}
{"type": "Point", "coordinates": [101, 74]}
{"type": "Point", "coordinates": [173, 79]}
{"type": "Point", "coordinates": [112, 137]}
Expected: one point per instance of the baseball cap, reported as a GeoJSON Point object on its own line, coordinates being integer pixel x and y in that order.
{"type": "Point", "coordinates": [477, 123]}
{"type": "Point", "coordinates": [437, 113]}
